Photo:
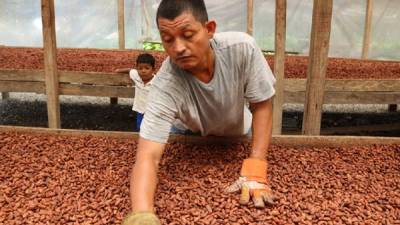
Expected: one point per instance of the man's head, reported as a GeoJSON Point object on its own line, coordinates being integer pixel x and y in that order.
{"type": "Point", "coordinates": [185, 32]}
{"type": "Point", "coordinates": [170, 9]}
{"type": "Point", "coordinates": [145, 65]}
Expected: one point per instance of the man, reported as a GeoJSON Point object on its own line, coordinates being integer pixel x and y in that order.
{"type": "Point", "coordinates": [205, 75]}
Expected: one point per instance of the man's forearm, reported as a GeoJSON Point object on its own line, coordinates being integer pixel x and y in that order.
{"type": "Point", "coordinates": [143, 181]}
{"type": "Point", "coordinates": [261, 128]}
{"type": "Point", "coordinates": [143, 185]}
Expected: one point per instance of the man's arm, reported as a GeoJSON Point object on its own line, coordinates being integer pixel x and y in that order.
{"type": "Point", "coordinates": [261, 128]}
{"type": "Point", "coordinates": [144, 175]}
{"type": "Point", "coordinates": [253, 175]}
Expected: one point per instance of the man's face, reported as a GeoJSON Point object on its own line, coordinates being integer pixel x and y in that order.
{"type": "Point", "coordinates": [186, 40]}
{"type": "Point", "coordinates": [145, 71]}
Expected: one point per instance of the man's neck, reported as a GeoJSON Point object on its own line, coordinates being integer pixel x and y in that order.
{"type": "Point", "coordinates": [206, 72]}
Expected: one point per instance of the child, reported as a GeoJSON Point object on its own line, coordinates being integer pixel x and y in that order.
{"type": "Point", "coordinates": [141, 77]}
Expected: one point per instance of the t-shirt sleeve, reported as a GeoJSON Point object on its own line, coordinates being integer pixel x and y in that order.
{"type": "Point", "coordinates": [160, 113]}
{"type": "Point", "coordinates": [259, 79]}
{"type": "Point", "coordinates": [134, 75]}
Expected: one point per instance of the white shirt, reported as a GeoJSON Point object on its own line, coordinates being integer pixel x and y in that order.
{"type": "Point", "coordinates": [141, 91]}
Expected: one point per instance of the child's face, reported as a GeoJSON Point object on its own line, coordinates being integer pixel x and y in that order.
{"type": "Point", "coordinates": [145, 71]}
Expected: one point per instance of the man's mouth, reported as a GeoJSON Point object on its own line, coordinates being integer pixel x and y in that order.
{"type": "Point", "coordinates": [182, 58]}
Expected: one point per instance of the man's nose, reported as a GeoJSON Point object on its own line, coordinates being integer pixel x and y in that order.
{"type": "Point", "coordinates": [179, 46]}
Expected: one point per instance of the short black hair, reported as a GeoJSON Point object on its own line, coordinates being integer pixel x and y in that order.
{"type": "Point", "coordinates": [146, 58]}
{"type": "Point", "coordinates": [170, 9]}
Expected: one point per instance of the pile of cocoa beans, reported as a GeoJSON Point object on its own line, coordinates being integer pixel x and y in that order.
{"type": "Point", "coordinates": [49, 179]}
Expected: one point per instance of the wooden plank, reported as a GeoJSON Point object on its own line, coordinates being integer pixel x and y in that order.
{"type": "Point", "coordinates": [294, 85]}
{"type": "Point", "coordinates": [21, 75]}
{"type": "Point", "coordinates": [50, 63]}
{"type": "Point", "coordinates": [22, 86]}
{"type": "Point", "coordinates": [100, 78]}
{"type": "Point", "coordinates": [68, 89]}
{"type": "Point", "coordinates": [319, 47]}
{"type": "Point", "coordinates": [95, 78]}
{"type": "Point", "coordinates": [284, 140]}
{"type": "Point", "coordinates": [367, 29]}
{"type": "Point", "coordinates": [100, 91]}
{"type": "Point", "coordinates": [121, 24]}
{"type": "Point", "coordinates": [349, 97]}
{"type": "Point", "coordinates": [279, 64]}
{"type": "Point", "coordinates": [250, 13]}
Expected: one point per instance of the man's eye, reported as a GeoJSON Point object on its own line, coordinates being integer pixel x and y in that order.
{"type": "Point", "coordinates": [188, 34]}
{"type": "Point", "coordinates": [167, 39]}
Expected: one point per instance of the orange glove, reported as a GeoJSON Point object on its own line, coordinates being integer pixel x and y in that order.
{"type": "Point", "coordinates": [253, 183]}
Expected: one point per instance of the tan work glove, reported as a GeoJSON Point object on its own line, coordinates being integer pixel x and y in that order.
{"type": "Point", "coordinates": [141, 218]}
{"type": "Point", "coordinates": [253, 183]}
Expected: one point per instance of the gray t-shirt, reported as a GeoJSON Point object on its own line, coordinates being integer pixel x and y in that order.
{"type": "Point", "coordinates": [241, 75]}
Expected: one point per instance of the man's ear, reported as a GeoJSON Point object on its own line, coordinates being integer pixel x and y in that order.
{"type": "Point", "coordinates": [211, 27]}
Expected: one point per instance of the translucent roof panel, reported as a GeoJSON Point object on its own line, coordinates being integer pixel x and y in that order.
{"type": "Point", "coordinates": [94, 24]}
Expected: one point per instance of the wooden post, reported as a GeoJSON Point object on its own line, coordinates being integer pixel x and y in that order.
{"type": "Point", "coordinates": [121, 24]}
{"type": "Point", "coordinates": [318, 60]}
{"type": "Point", "coordinates": [5, 95]}
{"type": "Point", "coordinates": [279, 64]}
{"type": "Point", "coordinates": [50, 63]}
{"type": "Point", "coordinates": [250, 16]}
{"type": "Point", "coordinates": [367, 29]}
{"type": "Point", "coordinates": [121, 35]}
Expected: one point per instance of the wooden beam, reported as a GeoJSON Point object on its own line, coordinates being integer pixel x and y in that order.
{"type": "Point", "coordinates": [121, 24]}
{"type": "Point", "coordinates": [96, 78]}
{"type": "Point", "coordinates": [100, 91]}
{"type": "Point", "coordinates": [279, 64]}
{"type": "Point", "coordinates": [21, 75]}
{"type": "Point", "coordinates": [339, 85]}
{"type": "Point", "coordinates": [285, 140]}
{"type": "Point", "coordinates": [349, 97]}
{"type": "Point", "coordinates": [50, 63]}
{"type": "Point", "coordinates": [250, 13]}
{"type": "Point", "coordinates": [121, 35]}
{"type": "Point", "coordinates": [319, 47]}
{"type": "Point", "coordinates": [367, 29]}
{"type": "Point", "coordinates": [118, 79]}
{"type": "Point", "coordinates": [68, 89]}
{"type": "Point", "coordinates": [22, 86]}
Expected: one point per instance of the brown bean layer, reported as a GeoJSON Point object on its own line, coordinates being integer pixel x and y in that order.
{"type": "Point", "coordinates": [85, 180]}
{"type": "Point", "coordinates": [108, 61]}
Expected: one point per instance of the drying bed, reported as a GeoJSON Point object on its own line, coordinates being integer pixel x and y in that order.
{"type": "Point", "coordinates": [108, 60]}
{"type": "Point", "coordinates": [50, 179]}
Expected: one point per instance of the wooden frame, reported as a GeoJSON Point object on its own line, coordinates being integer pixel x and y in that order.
{"type": "Point", "coordinates": [71, 83]}
{"type": "Point", "coordinates": [121, 35]}
{"type": "Point", "coordinates": [250, 16]}
{"type": "Point", "coordinates": [367, 29]}
{"type": "Point", "coordinates": [279, 65]}
{"type": "Point", "coordinates": [50, 63]}
{"type": "Point", "coordinates": [318, 61]}
{"type": "Point", "coordinates": [119, 85]}
{"type": "Point", "coordinates": [285, 140]}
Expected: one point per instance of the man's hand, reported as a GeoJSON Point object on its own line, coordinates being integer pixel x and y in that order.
{"type": "Point", "coordinates": [253, 183]}
{"type": "Point", "coordinates": [142, 218]}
